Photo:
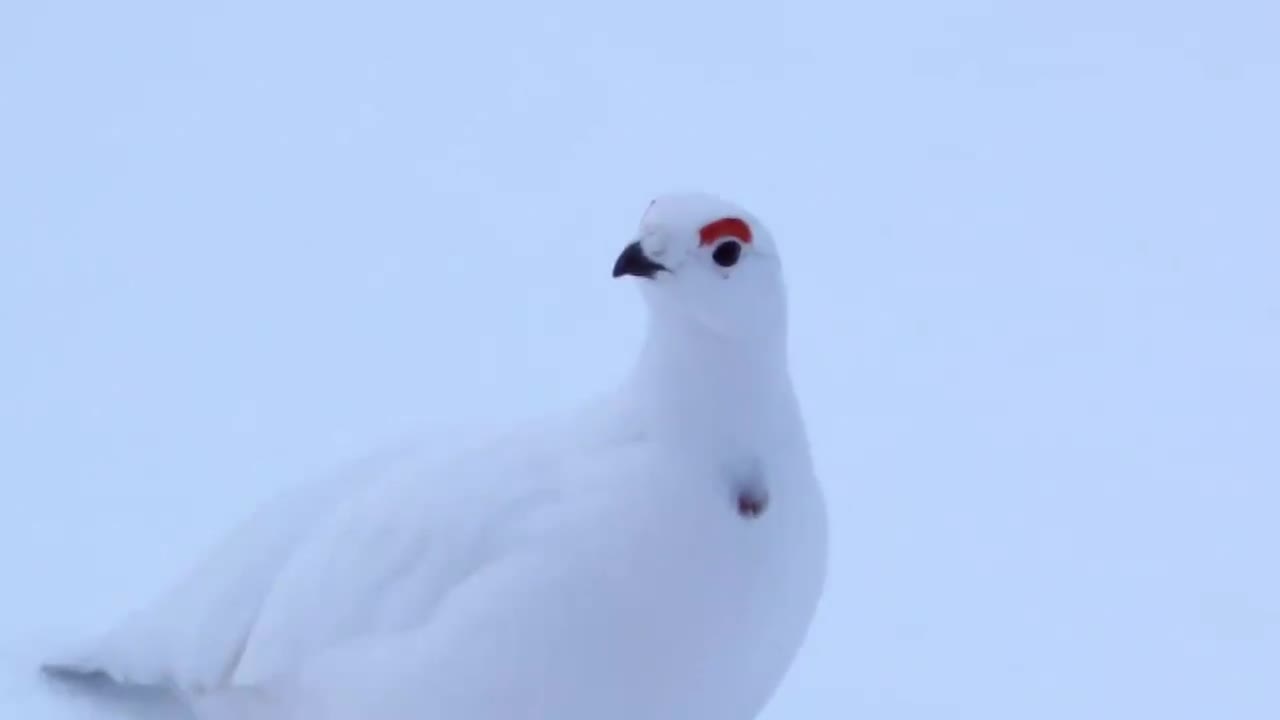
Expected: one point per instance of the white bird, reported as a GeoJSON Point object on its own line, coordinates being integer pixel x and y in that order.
{"type": "Point", "coordinates": [658, 555]}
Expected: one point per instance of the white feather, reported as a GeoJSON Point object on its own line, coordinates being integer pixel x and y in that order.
{"type": "Point", "coordinates": [592, 566]}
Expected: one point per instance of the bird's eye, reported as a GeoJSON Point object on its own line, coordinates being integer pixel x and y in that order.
{"type": "Point", "coordinates": [727, 253]}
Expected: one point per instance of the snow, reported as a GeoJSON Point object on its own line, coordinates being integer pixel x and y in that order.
{"type": "Point", "coordinates": [1032, 259]}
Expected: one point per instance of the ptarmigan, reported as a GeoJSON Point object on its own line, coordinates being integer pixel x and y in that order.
{"type": "Point", "coordinates": [656, 556]}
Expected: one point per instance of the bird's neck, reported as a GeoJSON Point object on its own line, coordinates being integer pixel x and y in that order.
{"type": "Point", "coordinates": [723, 395]}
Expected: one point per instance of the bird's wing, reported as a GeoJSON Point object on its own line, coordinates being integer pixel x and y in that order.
{"type": "Point", "coordinates": [504, 596]}
{"type": "Point", "coordinates": [383, 560]}
{"type": "Point", "coordinates": [193, 635]}
{"type": "Point", "coordinates": [351, 564]}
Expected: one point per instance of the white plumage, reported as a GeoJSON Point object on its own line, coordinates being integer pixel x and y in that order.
{"type": "Point", "coordinates": [656, 556]}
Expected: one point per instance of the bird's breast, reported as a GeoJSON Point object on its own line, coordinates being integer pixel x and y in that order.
{"type": "Point", "coordinates": [741, 565]}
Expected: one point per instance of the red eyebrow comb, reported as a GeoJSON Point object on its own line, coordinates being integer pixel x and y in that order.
{"type": "Point", "coordinates": [724, 227]}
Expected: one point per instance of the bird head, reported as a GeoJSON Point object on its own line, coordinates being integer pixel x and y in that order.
{"type": "Point", "coordinates": [705, 262]}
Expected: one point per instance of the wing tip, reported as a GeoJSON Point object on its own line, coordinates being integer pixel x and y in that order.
{"type": "Point", "coordinates": [68, 670]}
{"type": "Point", "coordinates": [85, 679]}
{"type": "Point", "coordinates": [77, 674]}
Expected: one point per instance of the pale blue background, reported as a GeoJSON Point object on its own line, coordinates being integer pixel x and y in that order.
{"type": "Point", "coordinates": [1033, 248]}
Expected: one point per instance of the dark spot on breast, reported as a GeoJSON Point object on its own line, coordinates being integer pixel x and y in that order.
{"type": "Point", "coordinates": [752, 502]}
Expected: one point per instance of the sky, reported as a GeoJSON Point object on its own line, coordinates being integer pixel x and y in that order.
{"type": "Point", "coordinates": [1032, 252]}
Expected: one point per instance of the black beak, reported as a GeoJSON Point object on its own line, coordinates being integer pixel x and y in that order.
{"type": "Point", "coordinates": [633, 261]}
